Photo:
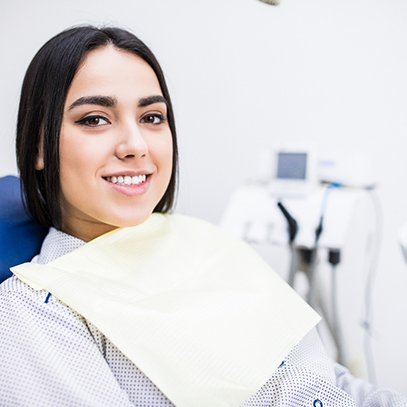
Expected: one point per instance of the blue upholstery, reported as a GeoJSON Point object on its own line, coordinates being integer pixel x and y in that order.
{"type": "Point", "coordinates": [20, 236]}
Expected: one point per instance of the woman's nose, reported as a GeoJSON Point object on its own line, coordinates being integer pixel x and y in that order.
{"type": "Point", "coordinates": [131, 143]}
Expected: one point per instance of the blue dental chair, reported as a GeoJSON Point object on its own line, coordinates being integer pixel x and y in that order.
{"type": "Point", "coordinates": [20, 236]}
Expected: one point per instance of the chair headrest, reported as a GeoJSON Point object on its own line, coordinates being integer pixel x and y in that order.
{"type": "Point", "coordinates": [20, 236]}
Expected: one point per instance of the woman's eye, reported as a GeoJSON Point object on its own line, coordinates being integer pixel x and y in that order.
{"type": "Point", "coordinates": [153, 118]}
{"type": "Point", "coordinates": [93, 121]}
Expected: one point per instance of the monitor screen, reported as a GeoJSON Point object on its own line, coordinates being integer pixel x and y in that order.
{"type": "Point", "coordinates": [291, 166]}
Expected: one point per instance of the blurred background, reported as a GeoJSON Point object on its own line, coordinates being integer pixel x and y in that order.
{"type": "Point", "coordinates": [247, 78]}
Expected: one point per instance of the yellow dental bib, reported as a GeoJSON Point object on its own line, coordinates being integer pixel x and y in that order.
{"type": "Point", "coordinates": [196, 310]}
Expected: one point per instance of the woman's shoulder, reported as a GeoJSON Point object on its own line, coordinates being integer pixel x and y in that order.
{"type": "Point", "coordinates": [19, 302]}
{"type": "Point", "coordinates": [28, 315]}
{"type": "Point", "coordinates": [13, 287]}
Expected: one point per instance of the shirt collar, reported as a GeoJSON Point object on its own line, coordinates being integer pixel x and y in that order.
{"type": "Point", "coordinates": [57, 244]}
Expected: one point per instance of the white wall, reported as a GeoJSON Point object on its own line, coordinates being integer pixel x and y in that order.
{"type": "Point", "coordinates": [245, 75]}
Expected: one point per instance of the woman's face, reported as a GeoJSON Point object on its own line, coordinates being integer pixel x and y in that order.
{"type": "Point", "coordinates": [115, 144]}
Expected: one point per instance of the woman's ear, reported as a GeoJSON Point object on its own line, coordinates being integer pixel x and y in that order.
{"type": "Point", "coordinates": [39, 160]}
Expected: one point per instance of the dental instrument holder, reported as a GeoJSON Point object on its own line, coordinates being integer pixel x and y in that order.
{"type": "Point", "coordinates": [292, 226]}
{"type": "Point", "coordinates": [310, 255]}
{"type": "Point", "coordinates": [253, 214]}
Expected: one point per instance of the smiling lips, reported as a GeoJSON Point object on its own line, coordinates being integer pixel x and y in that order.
{"type": "Point", "coordinates": [127, 180]}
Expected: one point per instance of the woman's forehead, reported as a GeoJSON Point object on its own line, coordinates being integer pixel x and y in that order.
{"type": "Point", "coordinates": [113, 72]}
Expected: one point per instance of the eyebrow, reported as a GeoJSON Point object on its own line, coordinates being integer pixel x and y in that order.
{"type": "Point", "coordinates": [149, 100]}
{"type": "Point", "coordinates": [106, 101]}
{"type": "Point", "coordinates": [109, 101]}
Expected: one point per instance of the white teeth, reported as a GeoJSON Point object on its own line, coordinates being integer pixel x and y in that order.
{"type": "Point", "coordinates": [138, 179]}
{"type": "Point", "coordinates": [127, 179]}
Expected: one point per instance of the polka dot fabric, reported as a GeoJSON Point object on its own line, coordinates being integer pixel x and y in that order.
{"type": "Point", "coordinates": [52, 356]}
{"type": "Point", "coordinates": [141, 390]}
{"type": "Point", "coordinates": [48, 356]}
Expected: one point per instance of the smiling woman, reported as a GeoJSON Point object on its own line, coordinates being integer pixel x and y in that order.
{"type": "Point", "coordinates": [115, 149]}
{"type": "Point", "coordinates": [127, 305]}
